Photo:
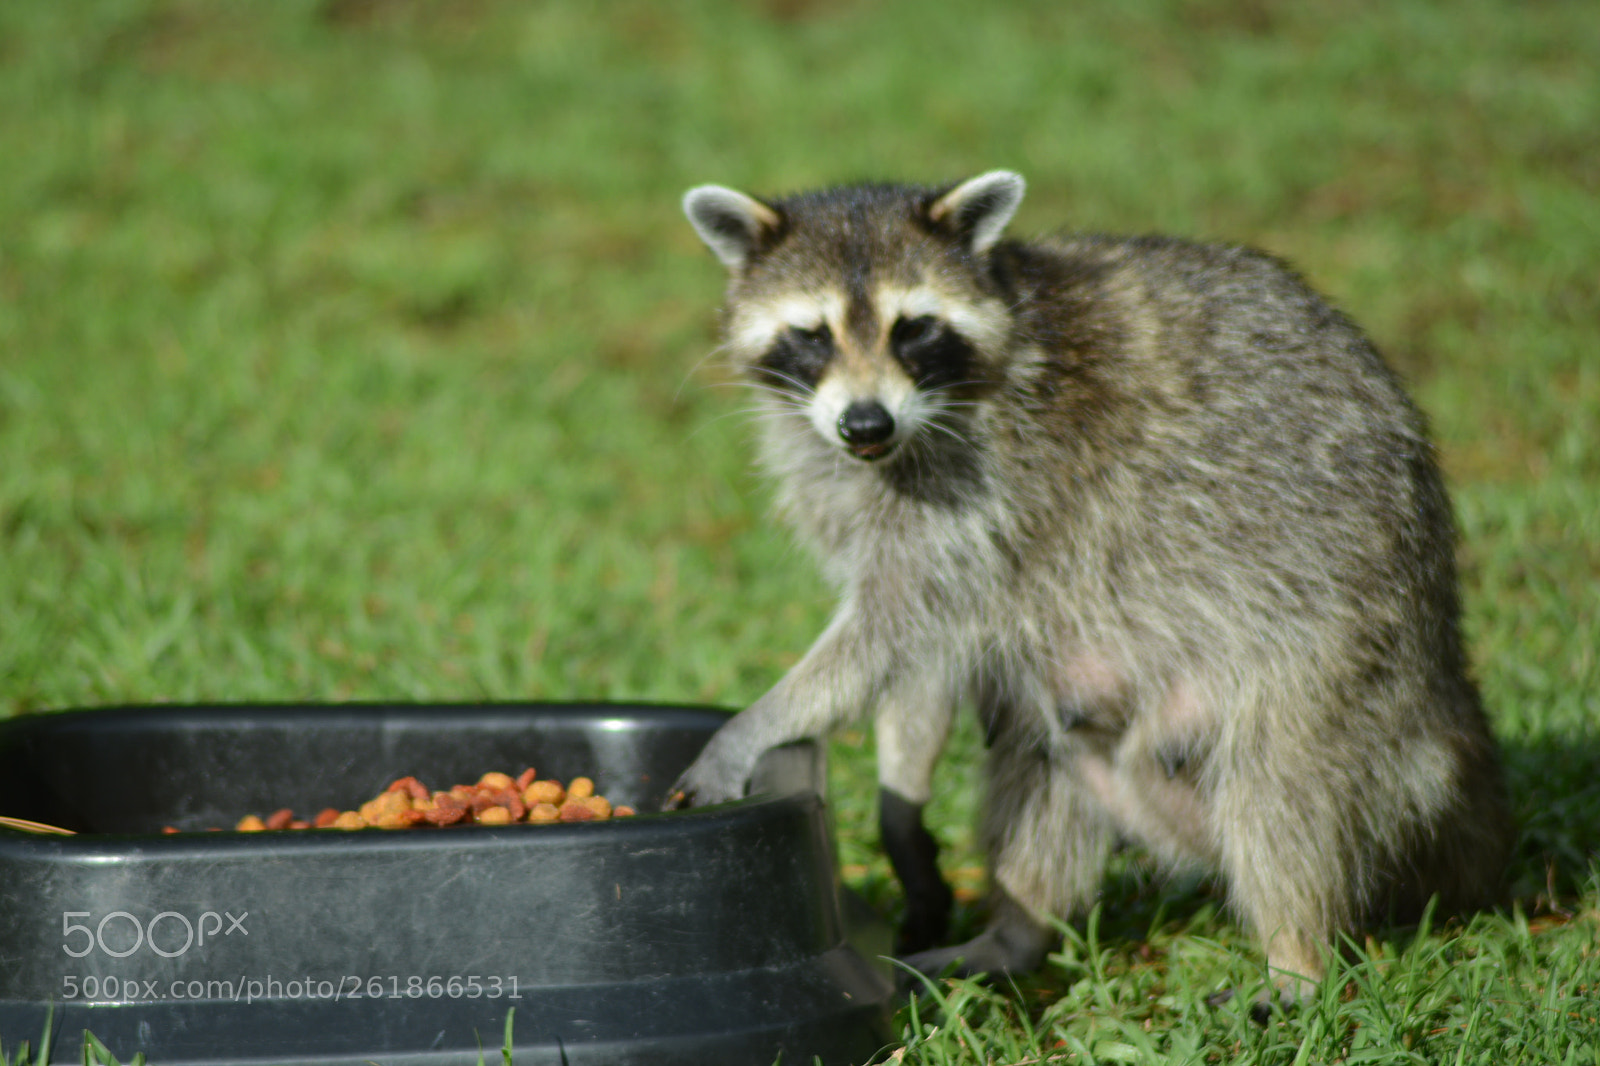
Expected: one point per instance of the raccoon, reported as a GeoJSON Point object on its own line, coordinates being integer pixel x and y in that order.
{"type": "Point", "coordinates": [1157, 510]}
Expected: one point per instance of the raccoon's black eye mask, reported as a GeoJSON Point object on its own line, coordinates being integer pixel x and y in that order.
{"type": "Point", "coordinates": [796, 360]}
{"type": "Point", "coordinates": [932, 352]}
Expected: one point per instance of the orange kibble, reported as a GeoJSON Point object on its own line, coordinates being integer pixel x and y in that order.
{"type": "Point", "coordinates": [400, 819]}
{"type": "Point", "coordinates": [385, 806]}
{"type": "Point", "coordinates": [494, 799]}
{"type": "Point", "coordinates": [541, 813]}
{"type": "Point", "coordinates": [577, 811]}
{"type": "Point", "coordinates": [539, 792]}
{"type": "Point", "coordinates": [169, 829]}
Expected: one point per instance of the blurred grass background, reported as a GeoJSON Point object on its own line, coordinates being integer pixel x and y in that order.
{"type": "Point", "coordinates": [356, 349]}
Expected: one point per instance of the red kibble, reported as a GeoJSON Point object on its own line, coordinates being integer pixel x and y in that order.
{"type": "Point", "coordinates": [445, 814]}
{"type": "Point", "coordinates": [447, 810]}
{"type": "Point", "coordinates": [512, 802]}
{"type": "Point", "coordinates": [410, 785]}
{"type": "Point", "coordinates": [280, 818]}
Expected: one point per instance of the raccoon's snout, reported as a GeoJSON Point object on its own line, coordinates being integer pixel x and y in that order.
{"type": "Point", "coordinates": [865, 427]}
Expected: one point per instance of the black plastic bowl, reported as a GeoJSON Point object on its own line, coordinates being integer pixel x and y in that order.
{"type": "Point", "coordinates": [705, 936]}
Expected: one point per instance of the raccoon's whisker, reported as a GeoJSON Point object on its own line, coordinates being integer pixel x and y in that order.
{"type": "Point", "coordinates": [771, 394]}
{"type": "Point", "coordinates": [949, 431]}
{"type": "Point", "coordinates": [749, 414]}
{"type": "Point", "coordinates": [781, 376]}
{"type": "Point", "coordinates": [936, 389]}
{"type": "Point", "coordinates": [946, 412]}
{"type": "Point", "coordinates": [696, 368]}
{"type": "Point", "coordinates": [773, 390]}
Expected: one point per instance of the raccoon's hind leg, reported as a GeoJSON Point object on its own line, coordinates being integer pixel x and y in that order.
{"type": "Point", "coordinates": [912, 726]}
{"type": "Point", "coordinates": [1047, 839]}
{"type": "Point", "coordinates": [1462, 854]}
{"type": "Point", "coordinates": [1294, 840]}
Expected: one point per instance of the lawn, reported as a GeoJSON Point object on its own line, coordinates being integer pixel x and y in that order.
{"type": "Point", "coordinates": [356, 349]}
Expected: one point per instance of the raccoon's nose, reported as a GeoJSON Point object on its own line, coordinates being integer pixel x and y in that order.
{"type": "Point", "coordinates": [865, 426]}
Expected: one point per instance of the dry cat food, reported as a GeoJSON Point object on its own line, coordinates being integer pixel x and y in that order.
{"type": "Point", "coordinates": [497, 799]}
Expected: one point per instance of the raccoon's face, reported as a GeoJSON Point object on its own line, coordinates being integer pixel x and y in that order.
{"type": "Point", "coordinates": [864, 308]}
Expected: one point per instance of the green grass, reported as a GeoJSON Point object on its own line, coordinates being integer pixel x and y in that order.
{"type": "Point", "coordinates": [357, 350]}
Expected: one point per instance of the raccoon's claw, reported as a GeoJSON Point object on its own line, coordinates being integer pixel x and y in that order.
{"type": "Point", "coordinates": [685, 794]}
{"type": "Point", "coordinates": [984, 955]}
{"type": "Point", "coordinates": [703, 784]}
{"type": "Point", "coordinates": [1014, 943]}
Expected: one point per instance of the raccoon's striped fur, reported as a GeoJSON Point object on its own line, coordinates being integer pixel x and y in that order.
{"type": "Point", "coordinates": [1161, 512]}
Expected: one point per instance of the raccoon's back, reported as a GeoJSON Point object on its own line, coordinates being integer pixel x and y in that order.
{"type": "Point", "coordinates": [1172, 348]}
{"type": "Point", "coordinates": [1221, 424]}
{"type": "Point", "coordinates": [1225, 328]}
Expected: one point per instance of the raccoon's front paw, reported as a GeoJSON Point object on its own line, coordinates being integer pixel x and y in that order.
{"type": "Point", "coordinates": [1014, 943]}
{"type": "Point", "coordinates": [985, 954]}
{"type": "Point", "coordinates": [711, 779]}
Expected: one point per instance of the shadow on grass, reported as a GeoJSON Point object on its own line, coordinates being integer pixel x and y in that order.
{"type": "Point", "coordinates": [1555, 797]}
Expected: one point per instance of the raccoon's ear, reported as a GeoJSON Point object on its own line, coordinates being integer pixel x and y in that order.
{"type": "Point", "coordinates": [733, 225]}
{"type": "Point", "coordinates": [978, 209]}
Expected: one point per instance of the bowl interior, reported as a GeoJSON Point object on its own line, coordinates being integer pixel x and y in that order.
{"type": "Point", "coordinates": [135, 770]}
